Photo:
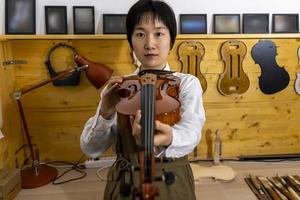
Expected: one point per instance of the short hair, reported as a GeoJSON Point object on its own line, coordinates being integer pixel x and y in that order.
{"type": "Point", "coordinates": [159, 10]}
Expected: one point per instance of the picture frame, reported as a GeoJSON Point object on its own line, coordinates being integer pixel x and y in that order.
{"type": "Point", "coordinates": [193, 23]}
{"type": "Point", "coordinates": [285, 23]}
{"type": "Point", "coordinates": [114, 23]}
{"type": "Point", "coordinates": [20, 16]}
{"type": "Point", "coordinates": [255, 23]}
{"type": "Point", "coordinates": [84, 19]}
{"type": "Point", "coordinates": [56, 19]}
{"type": "Point", "coordinates": [226, 23]}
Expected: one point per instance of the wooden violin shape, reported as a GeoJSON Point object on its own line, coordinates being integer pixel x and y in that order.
{"type": "Point", "coordinates": [297, 81]}
{"type": "Point", "coordinates": [273, 78]}
{"type": "Point", "coordinates": [190, 54]}
{"type": "Point", "coordinates": [233, 80]}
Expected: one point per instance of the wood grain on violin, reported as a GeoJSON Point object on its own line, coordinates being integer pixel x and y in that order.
{"type": "Point", "coordinates": [233, 80]}
{"type": "Point", "coordinates": [273, 78]}
{"type": "Point", "coordinates": [190, 54]}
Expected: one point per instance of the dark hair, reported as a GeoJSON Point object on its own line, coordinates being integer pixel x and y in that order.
{"type": "Point", "coordinates": [158, 9]}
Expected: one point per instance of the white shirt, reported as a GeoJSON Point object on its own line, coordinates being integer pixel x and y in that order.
{"type": "Point", "coordinates": [99, 134]}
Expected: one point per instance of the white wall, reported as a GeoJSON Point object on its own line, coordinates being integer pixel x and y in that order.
{"type": "Point", "coordinates": [180, 7]}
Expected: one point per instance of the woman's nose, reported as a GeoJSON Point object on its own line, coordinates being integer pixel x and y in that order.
{"type": "Point", "coordinates": [150, 42]}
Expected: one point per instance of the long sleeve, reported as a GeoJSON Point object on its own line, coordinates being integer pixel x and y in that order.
{"type": "Point", "coordinates": [98, 134]}
{"type": "Point", "coordinates": [187, 132]}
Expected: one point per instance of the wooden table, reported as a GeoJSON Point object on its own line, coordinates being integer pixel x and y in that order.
{"type": "Point", "coordinates": [91, 187]}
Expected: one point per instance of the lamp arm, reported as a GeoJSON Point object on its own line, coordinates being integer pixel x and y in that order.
{"type": "Point", "coordinates": [59, 76]}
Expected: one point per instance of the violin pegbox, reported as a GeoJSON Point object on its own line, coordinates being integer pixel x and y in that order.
{"type": "Point", "coordinates": [190, 54]}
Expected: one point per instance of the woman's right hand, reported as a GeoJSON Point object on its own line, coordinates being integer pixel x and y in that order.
{"type": "Point", "coordinates": [110, 97]}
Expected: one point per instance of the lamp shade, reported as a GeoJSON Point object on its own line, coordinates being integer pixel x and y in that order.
{"type": "Point", "coordinates": [97, 73]}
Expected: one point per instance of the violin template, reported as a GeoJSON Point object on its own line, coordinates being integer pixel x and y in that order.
{"type": "Point", "coordinates": [273, 78]}
{"type": "Point", "coordinates": [297, 81]}
{"type": "Point", "coordinates": [233, 80]}
{"type": "Point", "coordinates": [190, 54]}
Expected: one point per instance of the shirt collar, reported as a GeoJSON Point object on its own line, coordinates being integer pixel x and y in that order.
{"type": "Point", "coordinates": [167, 68]}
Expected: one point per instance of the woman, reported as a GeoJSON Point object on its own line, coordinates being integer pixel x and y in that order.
{"type": "Point", "coordinates": [151, 33]}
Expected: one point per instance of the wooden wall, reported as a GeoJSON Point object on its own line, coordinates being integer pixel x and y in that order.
{"type": "Point", "coordinates": [11, 125]}
{"type": "Point", "coordinates": [251, 123]}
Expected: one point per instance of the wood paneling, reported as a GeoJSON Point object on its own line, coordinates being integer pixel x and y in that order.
{"type": "Point", "coordinates": [11, 125]}
{"type": "Point", "coordinates": [250, 123]}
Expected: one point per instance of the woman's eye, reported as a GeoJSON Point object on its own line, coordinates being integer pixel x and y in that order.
{"type": "Point", "coordinates": [139, 34]}
{"type": "Point", "coordinates": [159, 34]}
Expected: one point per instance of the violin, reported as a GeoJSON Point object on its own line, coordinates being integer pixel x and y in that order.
{"type": "Point", "coordinates": [273, 78]}
{"type": "Point", "coordinates": [157, 98]}
{"type": "Point", "coordinates": [233, 80]}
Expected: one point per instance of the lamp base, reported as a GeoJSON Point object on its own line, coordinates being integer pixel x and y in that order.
{"type": "Point", "coordinates": [45, 175]}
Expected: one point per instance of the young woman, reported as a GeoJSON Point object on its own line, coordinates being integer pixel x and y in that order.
{"type": "Point", "coordinates": [151, 33]}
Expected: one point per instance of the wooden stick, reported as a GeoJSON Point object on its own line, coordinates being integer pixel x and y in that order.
{"type": "Point", "coordinates": [289, 188]}
{"type": "Point", "coordinates": [253, 188]}
{"type": "Point", "coordinates": [272, 193]}
{"type": "Point", "coordinates": [281, 188]}
{"type": "Point", "coordinates": [259, 187]}
{"type": "Point", "coordinates": [281, 195]}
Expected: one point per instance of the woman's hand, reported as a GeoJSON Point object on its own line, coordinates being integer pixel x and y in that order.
{"type": "Point", "coordinates": [163, 132]}
{"type": "Point", "coordinates": [110, 98]}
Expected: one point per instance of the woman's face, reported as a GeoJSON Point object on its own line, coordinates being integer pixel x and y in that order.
{"type": "Point", "coordinates": [151, 43]}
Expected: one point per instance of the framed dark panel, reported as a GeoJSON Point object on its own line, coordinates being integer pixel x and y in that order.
{"type": "Point", "coordinates": [256, 23]}
{"type": "Point", "coordinates": [285, 23]}
{"type": "Point", "coordinates": [114, 23]}
{"type": "Point", "coordinates": [84, 19]}
{"type": "Point", "coordinates": [226, 23]}
{"type": "Point", "coordinates": [193, 23]}
{"type": "Point", "coordinates": [20, 17]}
{"type": "Point", "coordinates": [56, 19]}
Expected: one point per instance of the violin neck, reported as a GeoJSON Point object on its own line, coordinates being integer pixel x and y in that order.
{"type": "Point", "coordinates": [148, 102]}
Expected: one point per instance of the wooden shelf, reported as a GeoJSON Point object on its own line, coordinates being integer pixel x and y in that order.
{"type": "Point", "coordinates": [121, 37]}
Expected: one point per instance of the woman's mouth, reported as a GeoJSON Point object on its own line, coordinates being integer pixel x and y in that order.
{"type": "Point", "coordinates": [150, 55]}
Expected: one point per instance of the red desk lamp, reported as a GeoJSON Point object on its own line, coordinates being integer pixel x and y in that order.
{"type": "Point", "coordinates": [40, 174]}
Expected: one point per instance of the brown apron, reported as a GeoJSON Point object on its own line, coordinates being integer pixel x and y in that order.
{"type": "Point", "coordinates": [121, 178]}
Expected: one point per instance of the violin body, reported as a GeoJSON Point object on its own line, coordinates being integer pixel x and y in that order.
{"type": "Point", "coordinates": [233, 80]}
{"type": "Point", "coordinates": [273, 78]}
{"type": "Point", "coordinates": [190, 54]}
{"type": "Point", "coordinates": [167, 104]}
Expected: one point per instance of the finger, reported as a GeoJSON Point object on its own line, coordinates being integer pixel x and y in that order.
{"type": "Point", "coordinates": [138, 116]}
{"type": "Point", "coordinates": [131, 119]}
{"type": "Point", "coordinates": [161, 127]}
{"type": "Point", "coordinates": [159, 139]}
{"type": "Point", "coordinates": [114, 80]}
